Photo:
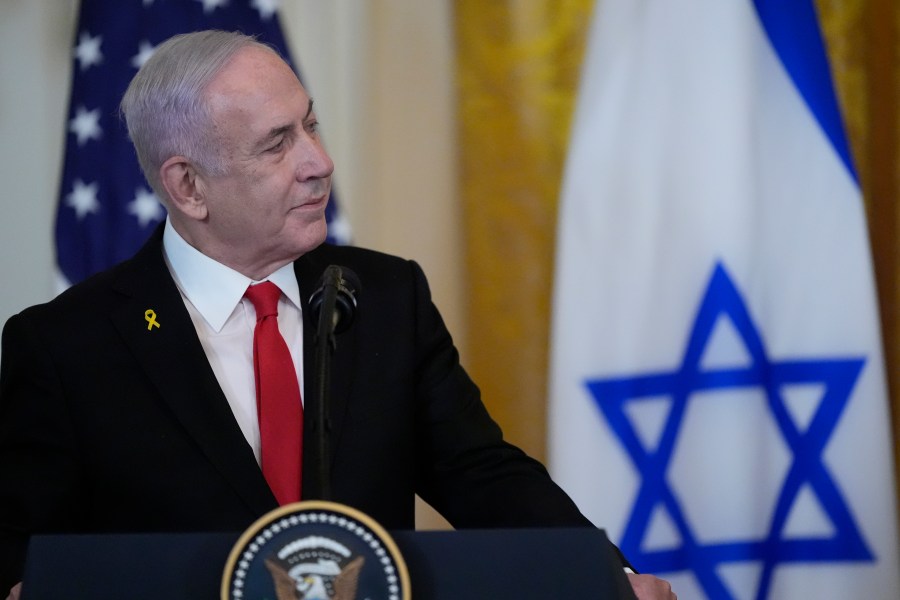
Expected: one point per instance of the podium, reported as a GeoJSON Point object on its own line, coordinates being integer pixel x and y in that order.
{"type": "Point", "coordinates": [443, 565]}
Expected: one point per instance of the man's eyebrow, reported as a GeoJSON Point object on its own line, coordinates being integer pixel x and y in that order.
{"type": "Point", "coordinates": [308, 109]}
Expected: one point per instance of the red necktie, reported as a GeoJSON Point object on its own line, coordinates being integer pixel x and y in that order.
{"type": "Point", "coordinates": [278, 403]}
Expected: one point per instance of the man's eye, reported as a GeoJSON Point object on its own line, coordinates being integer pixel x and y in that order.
{"type": "Point", "coordinates": [312, 127]}
{"type": "Point", "coordinates": [278, 146]}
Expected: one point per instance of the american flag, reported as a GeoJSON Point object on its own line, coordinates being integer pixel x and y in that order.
{"type": "Point", "coordinates": [106, 208]}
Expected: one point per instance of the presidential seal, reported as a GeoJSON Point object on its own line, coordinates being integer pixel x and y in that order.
{"type": "Point", "coordinates": [315, 551]}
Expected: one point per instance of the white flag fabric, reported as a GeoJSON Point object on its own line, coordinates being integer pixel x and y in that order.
{"type": "Point", "coordinates": [717, 396]}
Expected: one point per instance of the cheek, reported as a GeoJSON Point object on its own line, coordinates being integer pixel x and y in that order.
{"type": "Point", "coordinates": [273, 187]}
{"type": "Point", "coordinates": [237, 207]}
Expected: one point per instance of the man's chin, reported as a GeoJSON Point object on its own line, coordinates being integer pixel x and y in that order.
{"type": "Point", "coordinates": [313, 235]}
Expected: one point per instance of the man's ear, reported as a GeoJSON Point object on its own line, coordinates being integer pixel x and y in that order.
{"type": "Point", "coordinates": [184, 186]}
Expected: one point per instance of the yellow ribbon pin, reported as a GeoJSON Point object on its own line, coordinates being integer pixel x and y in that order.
{"type": "Point", "coordinates": [150, 317]}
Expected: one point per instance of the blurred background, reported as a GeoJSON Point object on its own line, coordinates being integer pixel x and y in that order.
{"type": "Point", "coordinates": [448, 123]}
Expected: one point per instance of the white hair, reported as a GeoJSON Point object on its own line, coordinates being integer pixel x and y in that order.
{"type": "Point", "coordinates": [164, 106]}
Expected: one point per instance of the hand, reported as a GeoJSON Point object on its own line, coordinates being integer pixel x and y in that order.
{"type": "Point", "coordinates": [15, 591]}
{"type": "Point", "coordinates": [648, 587]}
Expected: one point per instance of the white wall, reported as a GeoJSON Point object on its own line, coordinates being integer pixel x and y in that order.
{"type": "Point", "coordinates": [35, 43]}
{"type": "Point", "coordinates": [382, 75]}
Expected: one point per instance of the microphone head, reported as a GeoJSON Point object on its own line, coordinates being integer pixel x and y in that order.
{"type": "Point", "coordinates": [347, 287]}
{"type": "Point", "coordinates": [345, 303]}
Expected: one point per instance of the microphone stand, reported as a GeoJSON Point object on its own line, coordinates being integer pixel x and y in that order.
{"type": "Point", "coordinates": [325, 346]}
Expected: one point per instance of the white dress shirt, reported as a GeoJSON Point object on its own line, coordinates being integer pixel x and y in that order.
{"type": "Point", "coordinates": [214, 297]}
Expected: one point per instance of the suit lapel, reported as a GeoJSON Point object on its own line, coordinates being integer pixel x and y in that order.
{"type": "Point", "coordinates": [173, 359]}
{"type": "Point", "coordinates": [309, 269]}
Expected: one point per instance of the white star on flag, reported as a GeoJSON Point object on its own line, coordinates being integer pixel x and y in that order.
{"type": "Point", "coordinates": [266, 8]}
{"type": "Point", "coordinates": [211, 5]}
{"type": "Point", "coordinates": [87, 52]}
{"type": "Point", "coordinates": [83, 198]}
{"type": "Point", "coordinates": [145, 207]}
{"type": "Point", "coordinates": [86, 125]}
{"type": "Point", "coordinates": [145, 51]}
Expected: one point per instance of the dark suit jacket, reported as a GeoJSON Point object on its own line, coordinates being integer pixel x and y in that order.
{"type": "Point", "coordinates": [108, 426]}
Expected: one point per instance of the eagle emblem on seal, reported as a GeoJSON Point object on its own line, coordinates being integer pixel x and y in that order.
{"type": "Point", "coordinates": [315, 568]}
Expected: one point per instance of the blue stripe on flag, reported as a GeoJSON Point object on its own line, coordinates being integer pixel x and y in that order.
{"type": "Point", "coordinates": [793, 29]}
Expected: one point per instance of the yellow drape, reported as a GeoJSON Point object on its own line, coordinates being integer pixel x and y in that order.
{"type": "Point", "coordinates": [863, 46]}
{"type": "Point", "coordinates": [517, 67]}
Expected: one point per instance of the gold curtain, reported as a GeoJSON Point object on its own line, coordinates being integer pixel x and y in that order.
{"type": "Point", "coordinates": [863, 46]}
{"type": "Point", "coordinates": [517, 67]}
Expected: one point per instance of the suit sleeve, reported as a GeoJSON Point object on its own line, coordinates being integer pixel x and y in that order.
{"type": "Point", "coordinates": [468, 472]}
{"type": "Point", "coordinates": [38, 462]}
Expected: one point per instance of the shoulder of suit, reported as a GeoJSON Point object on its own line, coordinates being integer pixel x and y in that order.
{"type": "Point", "coordinates": [95, 293]}
{"type": "Point", "coordinates": [374, 269]}
{"type": "Point", "coordinates": [353, 253]}
{"type": "Point", "coordinates": [356, 258]}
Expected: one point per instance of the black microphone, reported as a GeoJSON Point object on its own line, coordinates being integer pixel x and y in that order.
{"type": "Point", "coordinates": [333, 306]}
{"type": "Point", "coordinates": [344, 283]}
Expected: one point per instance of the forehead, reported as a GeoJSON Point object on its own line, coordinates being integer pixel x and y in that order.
{"type": "Point", "coordinates": [256, 88]}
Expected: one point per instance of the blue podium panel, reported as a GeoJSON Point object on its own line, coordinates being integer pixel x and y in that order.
{"type": "Point", "coordinates": [443, 565]}
{"type": "Point", "coordinates": [177, 566]}
{"type": "Point", "coordinates": [512, 563]}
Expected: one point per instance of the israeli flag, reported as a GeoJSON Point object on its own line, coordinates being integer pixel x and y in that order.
{"type": "Point", "coordinates": [718, 397]}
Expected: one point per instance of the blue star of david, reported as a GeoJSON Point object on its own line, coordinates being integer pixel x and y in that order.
{"type": "Point", "coordinates": [838, 377]}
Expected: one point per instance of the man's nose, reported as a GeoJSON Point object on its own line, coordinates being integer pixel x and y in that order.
{"type": "Point", "coordinates": [314, 162]}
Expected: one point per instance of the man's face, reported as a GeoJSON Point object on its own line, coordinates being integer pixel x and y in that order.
{"type": "Point", "coordinates": [269, 206]}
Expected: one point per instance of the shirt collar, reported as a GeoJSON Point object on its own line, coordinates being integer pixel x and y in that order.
{"type": "Point", "coordinates": [214, 289]}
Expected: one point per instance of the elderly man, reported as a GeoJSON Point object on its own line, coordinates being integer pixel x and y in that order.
{"type": "Point", "coordinates": [142, 399]}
